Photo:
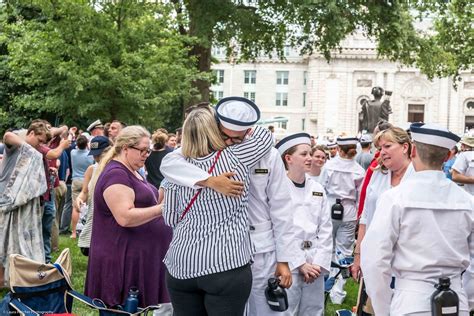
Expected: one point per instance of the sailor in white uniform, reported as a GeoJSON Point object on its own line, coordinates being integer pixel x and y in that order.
{"type": "Point", "coordinates": [308, 205]}
{"type": "Point", "coordinates": [463, 167]}
{"type": "Point", "coordinates": [422, 230]}
{"type": "Point", "coordinates": [342, 178]}
{"type": "Point", "coordinates": [271, 226]}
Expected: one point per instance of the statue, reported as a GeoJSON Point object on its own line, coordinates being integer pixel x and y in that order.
{"type": "Point", "coordinates": [374, 110]}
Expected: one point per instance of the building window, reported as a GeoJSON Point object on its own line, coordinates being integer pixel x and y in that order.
{"type": "Point", "coordinates": [281, 99]}
{"type": "Point", "coordinates": [282, 123]}
{"type": "Point", "coordinates": [416, 112]}
{"type": "Point", "coordinates": [219, 73]}
{"type": "Point", "coordinates": [286, 50]}
{"type": "Point", "coordinates": [218, 51]}
{"type": "Point", "coordinates": [282, 77]}
{"type": "Point", "coordinates": [305, 77]}
{"type": "Point", "coordinates": [469, 123]}
{"type": "Point", "coordinates": [470, 105]}
{"type": "Point", "coordinates": [250, 76]}
{"type": "Point", "coordinates": [250, 96]}
{"type": "Point", "coordinates": [303, 121]}
{"type": "Point", "coordinates": [217, 94]}
{"type": "Point", "coordinates": [304, 99]}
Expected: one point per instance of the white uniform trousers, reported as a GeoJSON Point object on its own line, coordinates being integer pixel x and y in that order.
{"type": "Point", "coordinates": [263, 268]}
{"type": "Point", "coordinates": [343, 234]}
{"type": "Point", "coordinates": [305, 299]}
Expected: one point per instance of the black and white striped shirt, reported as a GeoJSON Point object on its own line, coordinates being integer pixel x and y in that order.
{"type": "Point", "coordinates": [213, 236]}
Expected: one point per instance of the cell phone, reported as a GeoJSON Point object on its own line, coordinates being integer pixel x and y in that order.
{"type": "Point", "coordinates": [388, 92]}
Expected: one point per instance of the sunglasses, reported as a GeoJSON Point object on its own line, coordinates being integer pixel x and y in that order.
{"type": "Point", "coordinates": [201, 105]}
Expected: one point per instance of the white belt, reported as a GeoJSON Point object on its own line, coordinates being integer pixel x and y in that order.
{"type": "Point", "coordinates": [425, 286]}
{"type": "Point", "coordinates": [260, 227]}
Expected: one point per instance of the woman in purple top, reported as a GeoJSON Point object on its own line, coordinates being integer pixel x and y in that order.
{"type": "Point", "coordinates": [129, 238]}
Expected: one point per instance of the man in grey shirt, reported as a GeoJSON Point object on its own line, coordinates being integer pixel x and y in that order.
{"type": "Point", "coordinates": [364, 158]}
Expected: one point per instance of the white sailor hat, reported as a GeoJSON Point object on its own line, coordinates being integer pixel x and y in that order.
{"type": "Point", "coordinates": [331, 145]}
{"type": "Point", "coordinates": [95, 124]}
{"type": "Point", "coordinates": [292, 140]}
{"type": "Point", "coordinates": [237, 113]}
{"type": "Point", "coordinates": [433, 134]}
{"type": "Point", "coordinates": [365, 139]}
{"type": "Point", "coordinates": [347, 141]}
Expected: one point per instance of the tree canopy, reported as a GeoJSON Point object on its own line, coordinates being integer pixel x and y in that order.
{"type": "Point", "coordinates": [138, 60]}
{"type": "Point", "coordinates": [109, 60]}
{"type": "Point", "coordinates": [249, 28]}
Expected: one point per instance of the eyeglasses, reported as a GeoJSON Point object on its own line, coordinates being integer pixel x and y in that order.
{"type": "Point", "coordinates": [234, 140]}
{"type": "Point", "coordinates": [144, 151]}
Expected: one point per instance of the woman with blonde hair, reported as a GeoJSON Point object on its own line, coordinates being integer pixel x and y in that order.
{"type": "Point", "coordinates": [394, 167]}
{"type": "Point", "coordinates": [209, 257]}
{"type": "Point", "coordinates": [100, 145]}
{"type": "Point", "coordinates": [129, 237]}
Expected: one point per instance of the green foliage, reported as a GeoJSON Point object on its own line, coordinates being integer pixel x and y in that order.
{"type": "Point", "coordinates": [321, 25]}
{"type": "Point", "coordinates": [111, 60]}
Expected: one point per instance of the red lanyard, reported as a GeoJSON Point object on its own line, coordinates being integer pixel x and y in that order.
{"type": "Point", "coordinates": [199, 190]}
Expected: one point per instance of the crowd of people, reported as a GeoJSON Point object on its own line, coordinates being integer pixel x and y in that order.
{"type": "Point", "coordinates": [203, 217]}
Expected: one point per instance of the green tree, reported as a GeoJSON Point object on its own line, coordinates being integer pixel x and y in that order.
{"type": "Point", "coordinates": [250, 30]}
{"type": "Point", "coordinates": [111, 60]}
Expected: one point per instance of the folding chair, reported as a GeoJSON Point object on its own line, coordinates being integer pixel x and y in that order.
{"type": "Point", "coordinates": [40, 289]}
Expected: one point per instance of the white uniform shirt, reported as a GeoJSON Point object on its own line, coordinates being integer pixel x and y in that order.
{"type": "Point", "coordinates": [269, 200]}
{"type": "Point", "coordinates": [464, 164]}
{"type": "Point", "coordinates": [313, 222]}
{"type": "Point", "coordinates": [422, 229]}
{"type": "Point", "coordinates": [379, 183]}
{"type": "Point", "coordinates": [342, 179]}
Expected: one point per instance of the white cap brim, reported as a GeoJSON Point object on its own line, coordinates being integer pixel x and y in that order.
{"type": "Point", "coordinates": [433, 135]}
{"type": "Point", "coordinates": [347, 141]}
{"type": "Point", "coordinates": [292, 140]}
{"type": "Point", "coordinates": [237, 113]}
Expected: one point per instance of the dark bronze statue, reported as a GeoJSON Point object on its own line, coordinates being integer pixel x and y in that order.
{"type": "Point", "coordinates": [374, 110]}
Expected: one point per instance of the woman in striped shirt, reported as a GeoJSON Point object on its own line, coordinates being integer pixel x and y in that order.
{"type": "Point", "coordinates": [208, 259]}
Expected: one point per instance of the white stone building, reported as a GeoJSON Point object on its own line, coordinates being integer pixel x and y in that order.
{"type": "Point", "coordinates": [323, 98]}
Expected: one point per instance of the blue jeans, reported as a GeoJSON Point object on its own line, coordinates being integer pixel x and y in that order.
{"type": "Point", "coordinates": [49, 213]}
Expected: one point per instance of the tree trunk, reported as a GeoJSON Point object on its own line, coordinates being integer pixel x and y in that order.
{"type": "Point", "coordinates": [201, 25]}
{"type": "Point", "coordinates": [203, 55]}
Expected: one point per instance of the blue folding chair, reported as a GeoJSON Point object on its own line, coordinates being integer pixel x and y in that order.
{"type": "Point", "coordinates": [38, 289]}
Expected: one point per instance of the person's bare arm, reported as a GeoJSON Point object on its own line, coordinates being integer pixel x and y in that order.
{"type": "Point", "coordinates": [82, 197]}
{"type": "Point", "coordinates": [460, 178]}
{"type": "Point", "coordinates": [119, 199]}
{"type": "Point", "coordinates": [56, 152]}
{"type": "Point", "coordinates": [11, 139]}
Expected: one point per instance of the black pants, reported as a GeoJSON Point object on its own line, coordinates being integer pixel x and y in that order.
{"type": "Point", "coordinates": [217, 294]}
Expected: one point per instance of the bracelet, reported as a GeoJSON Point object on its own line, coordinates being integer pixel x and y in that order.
{"type": "Point", "coordinates": [356, 253]}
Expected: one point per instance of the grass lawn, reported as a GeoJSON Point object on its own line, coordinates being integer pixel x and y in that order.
{"type": "Point", "coordinates": [79, 267]}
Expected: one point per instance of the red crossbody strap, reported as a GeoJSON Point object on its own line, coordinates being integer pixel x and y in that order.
{"type": "Point", "coordinates": [199, 191]}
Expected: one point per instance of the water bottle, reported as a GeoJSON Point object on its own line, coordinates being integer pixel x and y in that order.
{"type": "Point", "coordinates": [276, 296]}
{"type": "Point", "coordinates": [131, 303]}
{"type": "Point", "coordinates": [444, 301]}
{"type": "Point", "coordinates": [337, 210]}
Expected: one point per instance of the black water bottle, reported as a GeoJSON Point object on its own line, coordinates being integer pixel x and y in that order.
{"type": "Point", "coordinates": [276, 296]}
{"type": "Point", "coordinates": [131, 303]}
{"type": "Point", "coordinates": [444, 301]}
{"type": "Point", "coordinates": [337, 210]}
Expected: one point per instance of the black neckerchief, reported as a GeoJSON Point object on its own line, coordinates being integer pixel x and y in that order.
{"type": "Point", "coordinates": [299, 185]}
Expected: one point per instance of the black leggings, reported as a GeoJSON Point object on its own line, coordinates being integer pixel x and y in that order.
{"type": "Point", "coordinates": [217, 294]}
